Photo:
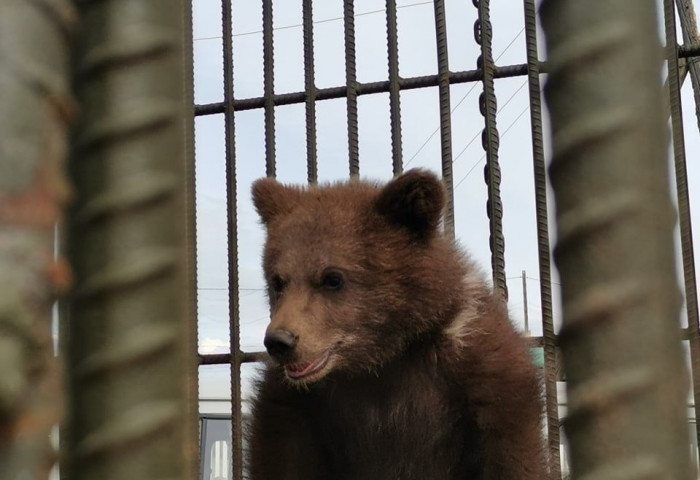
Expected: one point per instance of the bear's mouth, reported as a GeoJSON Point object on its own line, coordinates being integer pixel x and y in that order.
{"type": "Point", "coordinates": [299, 371]}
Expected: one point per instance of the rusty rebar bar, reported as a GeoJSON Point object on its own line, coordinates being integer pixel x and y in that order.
{"type": "Point", "coordinates": [392, 36]}
{"type": "Point", "coordinates": [126, 243]}
{"type": "Point", "coordinates": [689, 28]}
{"type": "Point", "coordinates": [543, 250]}
{"type": "Point", "coordinates": [234, 360]}
{"type": "Point", "coordinates": [483, 34]}
{"type": "Point", "coordinates": [351, 91]}
{"type": "Point", "coordinates": [36, 107]}
{"type": "Point", "coordinates": [683, 197]}
{"type": "Point", "coordinates": [689, 50]}
{"type": "Point", "coordinates": [409, 83]}
{"type": "Point", "coordinates": [225, 358]}
{"type": "Point", "coordinates": [190, 336]}
{"type": "Point", "coordinates": [627, 383]}
{"type": "Point", "coordinates": [269, 88]}
{"type": "Point", "coordinates": [310, 91]}
{"type": "Point", "coordinates": [443, 78]}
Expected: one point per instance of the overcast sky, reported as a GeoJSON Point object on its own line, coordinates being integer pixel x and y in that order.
{"type": "Point", "coordinates": [421, 142]}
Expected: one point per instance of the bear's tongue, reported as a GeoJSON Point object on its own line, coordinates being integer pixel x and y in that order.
{"type": "Point", "coordinates": [301, 370]}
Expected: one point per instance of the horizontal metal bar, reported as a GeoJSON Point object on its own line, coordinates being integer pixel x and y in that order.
{"type": "Point", "coordinates": [692, 50]}
{"type": "Point", "coordinates": [225, 358]}
{"type": "Point", "coordinates": [252, 357]}
{"type": "Point", "coordinates": [365, 89]}
{"type": "Point", "coordinates": [410, 83]}
{"type": "Point", "coordinates": [539, 341]}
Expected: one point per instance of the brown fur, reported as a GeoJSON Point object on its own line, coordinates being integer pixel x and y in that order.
{"type": "Point", "coordinates": [425, 376]}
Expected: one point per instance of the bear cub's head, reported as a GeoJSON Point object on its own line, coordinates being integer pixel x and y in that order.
{"type": "Point", "coordinates": [356, 272]}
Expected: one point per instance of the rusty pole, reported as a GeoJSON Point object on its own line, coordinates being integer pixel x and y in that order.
{"type": "Point", "coordinates": [35, 109]}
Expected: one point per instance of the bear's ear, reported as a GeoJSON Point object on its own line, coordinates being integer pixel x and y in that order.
{"type": "Point", "coordinates": [271, 198]}
{"type": "Point", "coordinates": [413, 200]}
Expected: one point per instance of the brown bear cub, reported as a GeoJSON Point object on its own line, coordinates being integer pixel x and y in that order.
{"type": "Point", "coordinates": [392, 358]}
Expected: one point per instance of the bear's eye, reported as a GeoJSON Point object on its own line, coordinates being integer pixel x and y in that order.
{"type": "Point", "coordinates": [332, 280]}
{"type": "Point", "coordinates": [277, 285]}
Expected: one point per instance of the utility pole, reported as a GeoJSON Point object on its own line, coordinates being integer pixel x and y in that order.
{"type": "Point", "coordinates": [527, 323]}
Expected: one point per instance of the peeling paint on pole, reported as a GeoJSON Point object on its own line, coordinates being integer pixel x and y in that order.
{"type": "Point", "coordinates": [35, 111]}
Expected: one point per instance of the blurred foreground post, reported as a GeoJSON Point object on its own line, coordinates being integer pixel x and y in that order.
{"type": "Point", "coordinates": [128, 364]}
{"type": "Point", "coordinates": [627, 383]}
{"type": "Point", "coordinates": [35, 109]}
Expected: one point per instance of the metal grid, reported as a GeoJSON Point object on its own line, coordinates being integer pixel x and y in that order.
{"type": "Point", "coordinates": [486, 73]}
{"type": "Point", "coordinates": [153, 57]}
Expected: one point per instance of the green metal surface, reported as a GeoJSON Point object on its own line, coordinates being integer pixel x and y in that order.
{"type": "Point", "coordinates": [126, 243]}
{"type": "Point", "coordinates": [620, 337]}
{"type": "Point", "coordinates": [35, 110]}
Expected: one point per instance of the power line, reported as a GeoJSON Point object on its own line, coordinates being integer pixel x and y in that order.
{"type": "Point", "coordinates": [520, 277]}
{"type": "Point", "coordinates": [537, 279]}
{"type": "Point", "coordinates": [484, 155]}
{"type": "Point", "coordinates": [420, 149]}
{"type": "Point", "coordinates": [325, 20]}
{"type": "Point", "coordinates": [478, 134]}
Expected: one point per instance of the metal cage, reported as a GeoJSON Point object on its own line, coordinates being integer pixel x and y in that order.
{"type": "Point", "coordinates": [120, 72]}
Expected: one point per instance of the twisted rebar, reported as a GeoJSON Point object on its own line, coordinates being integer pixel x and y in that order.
{"type": "Point", "coordinates": [620, 337]}
{"type": "Point", "coordinates": [483, 35]}
{"type": "Point", "coordinates": [682, 192]}
{"type": "Point", "coordinates": [126, 242]}
{"type": "Point", "coordinates": [191, 335]}
{"type": "Point", "coordinates": [392, 36]}
{"type": "Point", "coordinates": [351, 86]}
{"type": "Point", "coordinates": [310, 90]}
{"type": "Point", "coordinates": [235, 357]}
{"type": "Point", "coordinates": [269, 88]}
{"type": "Point", "coordinates": [543, 251]}
{"type": "Point", "coordinates": [443, 78]}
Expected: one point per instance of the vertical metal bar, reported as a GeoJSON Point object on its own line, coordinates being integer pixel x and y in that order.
{"type": "Point", "coordinates": [351, 85]}
{"type": "Point", "coordinates": [310, 88]}
{"type": "Point", "coordinates": [689, 27]}
{"type": "Point", "coordinates": [190, 336]}
{"type": "Point", "coordinates": [394, 86]}
{"type": "Point", "coordinates": [127, 243]}
{"type": "Point", "coordinates": [686, 229]}
{"type": "Point", "coordinates": [445, 119]}
{"type": "Point", "coordinates": [36, 108]}
{"type": "Point", "coordinates": [64, 426]}
{"type": "Point", "coordinates": [489, 140]}
{"type": "Point", "coordinates": [232, 218]}
{"type": "Point", "coordinates": [269, 88]}
{"type": "Point", "coordinates": [620, 339]}
{"type": "Point", "coordinates": [543, 250]}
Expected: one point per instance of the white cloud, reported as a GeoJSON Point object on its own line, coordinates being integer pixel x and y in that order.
{"type": "Point", "coordinates": [213, 345]}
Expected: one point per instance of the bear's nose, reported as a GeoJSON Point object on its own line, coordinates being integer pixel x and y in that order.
{"type": "Point", "coordinates": [280, 343]}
